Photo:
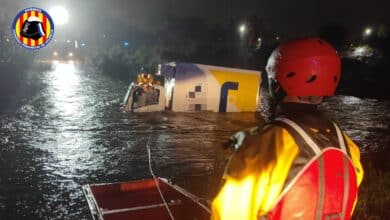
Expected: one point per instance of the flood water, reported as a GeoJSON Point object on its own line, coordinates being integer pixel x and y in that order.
{"type": "Point", "coordinates": [68, 132]}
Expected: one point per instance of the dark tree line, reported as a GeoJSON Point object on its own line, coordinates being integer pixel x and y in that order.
{"type": "Point", "coordinates": [188, 39]}
{"type": "Point", "coordinates": [192, 39]}
{"type": "Point", "coordinates": [362, 76]}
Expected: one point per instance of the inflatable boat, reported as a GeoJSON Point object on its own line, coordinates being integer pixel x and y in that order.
{"type": "Point", "coordinates": [143, 199]}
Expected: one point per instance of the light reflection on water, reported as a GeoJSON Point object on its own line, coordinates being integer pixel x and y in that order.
{"type": "Point", "coordinates": [71, 133]}
{"type": "Point", "coordinates": [64, 81]}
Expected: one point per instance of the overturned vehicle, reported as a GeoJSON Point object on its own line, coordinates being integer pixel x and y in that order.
{"type": "Point", "coordinates": [190, 87]}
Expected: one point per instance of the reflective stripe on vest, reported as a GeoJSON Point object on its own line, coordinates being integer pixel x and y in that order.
{"type": "Point", "coordinates": [324, 189]}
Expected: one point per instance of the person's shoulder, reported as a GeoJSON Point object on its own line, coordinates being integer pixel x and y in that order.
{"type": "Point", "coordinates": [269, 128]}
{"type": "Point", "coordinates": [258, 149]}
{"type": "Point", "coordinates": [256, 136]}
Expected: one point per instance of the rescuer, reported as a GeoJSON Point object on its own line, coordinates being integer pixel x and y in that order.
{"type": "Point", "coordinates": [300, 165]}
{"type": "Point", "coordinates": [150, 79]}
{"type": "Point", "coordinates": [142, 79]}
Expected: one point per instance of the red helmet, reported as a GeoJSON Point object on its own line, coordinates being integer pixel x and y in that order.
{"type": "Point", "coordinates": [306, 67]}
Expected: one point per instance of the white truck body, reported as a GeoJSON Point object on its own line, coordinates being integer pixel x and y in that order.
{"type": "Point", "coordinates": [192, 87]}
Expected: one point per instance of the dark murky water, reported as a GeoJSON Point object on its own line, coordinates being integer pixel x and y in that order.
{"type": "Point", "coordinates": [70, 133]}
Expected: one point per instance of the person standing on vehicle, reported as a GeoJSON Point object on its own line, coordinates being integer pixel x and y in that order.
{"type": "Point", "coordinates": [299, 165]}
{"type": "Point", "coordinates": [142, 79]}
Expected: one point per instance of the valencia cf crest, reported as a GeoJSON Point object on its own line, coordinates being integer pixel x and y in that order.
{"type": "Point", "coordinates": [33, 28]}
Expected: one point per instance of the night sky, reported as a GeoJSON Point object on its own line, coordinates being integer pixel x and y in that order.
{"type": "Point", "coordinates": [285, 18]}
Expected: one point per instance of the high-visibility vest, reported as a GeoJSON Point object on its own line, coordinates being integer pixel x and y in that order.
{"type": "Point", "coordinates": [324, 189]}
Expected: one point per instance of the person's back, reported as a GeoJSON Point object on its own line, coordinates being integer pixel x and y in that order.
{"type": "Point", "coordinates": [300, 165]}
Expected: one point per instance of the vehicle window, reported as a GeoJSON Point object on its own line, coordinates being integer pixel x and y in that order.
{"type": "Point", "coordinates": [145, 96]}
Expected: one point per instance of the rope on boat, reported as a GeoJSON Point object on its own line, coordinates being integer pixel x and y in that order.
{"type": "Point", "coordinates": [156, 181]}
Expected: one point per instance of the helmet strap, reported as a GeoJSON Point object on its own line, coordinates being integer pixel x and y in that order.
{"type": "Point", "coordinates": [277, 94]}
{"type": "Point", "coordinates": [276, 91]}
